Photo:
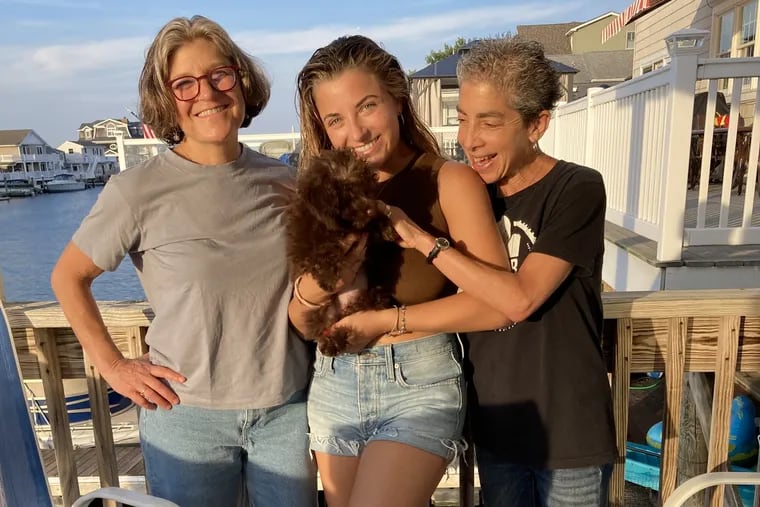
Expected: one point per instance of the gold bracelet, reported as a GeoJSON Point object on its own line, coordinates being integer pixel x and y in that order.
{"type": "Point", "coordinates": [399, 330]}
{"type": "Point", "coordinates": [395, 324]}
{"type": "Point", "coordinates": [305, 302]}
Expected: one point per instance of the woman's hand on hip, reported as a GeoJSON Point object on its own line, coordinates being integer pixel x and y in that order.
{"type": "Point", "coordinates": [144, 382]}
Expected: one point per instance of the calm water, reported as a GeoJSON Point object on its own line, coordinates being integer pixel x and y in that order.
{"type": "Point", "coordinates": [34, 230]}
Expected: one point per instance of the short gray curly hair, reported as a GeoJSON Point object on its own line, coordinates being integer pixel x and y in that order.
{"type": "Point", "coordinates": [519, 69]}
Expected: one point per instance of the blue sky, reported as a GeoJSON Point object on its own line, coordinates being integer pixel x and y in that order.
{"type": "Point", "coordinates": [65, 62]}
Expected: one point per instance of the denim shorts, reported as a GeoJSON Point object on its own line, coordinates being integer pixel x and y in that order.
{"type": "Point", "coordinates": [410, 392]}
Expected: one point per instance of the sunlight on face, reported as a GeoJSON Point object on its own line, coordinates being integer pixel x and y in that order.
{"type": "Point", "coordinates": [492, 134]}
{"type": "Point", "coordinates": [212, 117]}
{"type": "Point", "coordinates": [357, 113]}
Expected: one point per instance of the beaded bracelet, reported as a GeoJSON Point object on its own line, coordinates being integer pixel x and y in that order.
{"type": "Point", "coordinates": [305, 302]}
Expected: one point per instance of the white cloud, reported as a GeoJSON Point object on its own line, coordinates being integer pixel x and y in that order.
{"type": "Point", "coordinates": [405, 29]}
{"type": "Point", "coordinates": [84, 77]}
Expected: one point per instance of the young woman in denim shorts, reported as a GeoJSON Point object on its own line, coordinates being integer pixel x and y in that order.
{"type": "Point", "coordinates": [386, 420]}
{"type": "Point", "coordinates": [542, 425]}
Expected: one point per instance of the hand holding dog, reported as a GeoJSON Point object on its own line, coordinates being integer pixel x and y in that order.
{"type": "Point", "coordinates": [355, 250]}
{"type": "Point", "coordinates": [367, 327]}
{"type": "Point", "coordinates": [410, 232]}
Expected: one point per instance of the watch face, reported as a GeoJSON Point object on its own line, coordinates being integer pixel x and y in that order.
{"type": "Point", "coordinates": [442, 243]}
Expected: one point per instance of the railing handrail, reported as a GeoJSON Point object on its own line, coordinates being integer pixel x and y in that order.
{"type": "Point", "coordinates": [674, 331]}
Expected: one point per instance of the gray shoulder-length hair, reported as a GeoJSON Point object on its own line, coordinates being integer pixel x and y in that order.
{"type": "Point", "coordinates": [157, 104]}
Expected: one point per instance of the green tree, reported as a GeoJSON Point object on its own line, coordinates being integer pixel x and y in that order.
{"type": "Point", "coordinates": [448, 50]}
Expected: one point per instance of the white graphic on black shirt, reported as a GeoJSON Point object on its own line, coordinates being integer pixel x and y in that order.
{"type": "Point", "coordinates": [519, 238]}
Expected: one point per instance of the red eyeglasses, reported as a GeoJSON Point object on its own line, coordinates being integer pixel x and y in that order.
{"type": "Point", "coordinates": [221, 79]}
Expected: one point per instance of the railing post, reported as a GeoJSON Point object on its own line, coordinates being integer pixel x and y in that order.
{"type": "Point", "coordinates": [684, 47]}
{"type": "Point", "coordinates": [588, 150]}
{"type": "Point", "coordinates": [120, 148]}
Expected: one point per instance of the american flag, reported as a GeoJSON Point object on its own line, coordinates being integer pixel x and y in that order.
{"type": "Point", "coordinates": [148, 132]}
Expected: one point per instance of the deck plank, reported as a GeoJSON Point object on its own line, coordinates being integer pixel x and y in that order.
{"type": "Point", "coordinates": [129, 461]}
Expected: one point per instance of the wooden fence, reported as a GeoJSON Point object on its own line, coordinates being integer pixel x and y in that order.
{"type": "Point", "coordinates": [672, 331]}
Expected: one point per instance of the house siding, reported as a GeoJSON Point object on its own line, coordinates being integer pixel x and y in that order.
{"type": "Point", "coordinates": [589, 38]}
{"type": "Point", "coordinates": [653, 28]}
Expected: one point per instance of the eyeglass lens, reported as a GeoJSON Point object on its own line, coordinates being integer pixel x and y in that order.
{"type": "Point", "coordinates": [221, 79]}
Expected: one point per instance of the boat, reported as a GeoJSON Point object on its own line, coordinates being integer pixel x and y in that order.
{"type": "Point", "coordinates": [64, 183]}
{"type": "Point", "coordinates": [16, 188]}
{"type": "Point", "coordinates": [123, 414]}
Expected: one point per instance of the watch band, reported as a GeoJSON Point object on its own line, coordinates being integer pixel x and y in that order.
{"type": "Point", "coordinates": [439, 245]}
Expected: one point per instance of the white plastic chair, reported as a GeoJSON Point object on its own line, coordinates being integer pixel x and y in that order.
{"type": "Point", "coordinates": [125, 496]}
{"type": "Point", "coordinates": [703, 481]}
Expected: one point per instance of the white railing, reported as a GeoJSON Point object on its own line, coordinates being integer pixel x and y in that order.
{"type": "Point", "coordinates": [639, 135]}
{"type": "Point", "coordinates": [30, 158]}
{"type": "Point", "coordinates": [135, 151]}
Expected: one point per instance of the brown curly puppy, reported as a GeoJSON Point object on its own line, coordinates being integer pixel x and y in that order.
{"type": "Point", "coordinates": [336, 196]}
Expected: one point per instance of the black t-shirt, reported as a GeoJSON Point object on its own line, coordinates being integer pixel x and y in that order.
{"type": "Point", "coordinates": [541, 388]}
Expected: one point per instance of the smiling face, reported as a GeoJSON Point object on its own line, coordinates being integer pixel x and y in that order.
{"type": "Point", "coordinates": [494, 137]}
{"type": "Point", "coordinates": [211, 120]}
{"type": "Point", "coordinates": [357, 113]}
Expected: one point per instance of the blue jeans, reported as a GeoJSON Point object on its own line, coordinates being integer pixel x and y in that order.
{"type": "Point", "coordinates": [201, 457]}
{"type": "Point", "coordinates": [504, 484]}
{"type": "Point", "coordinates": [409, 392]}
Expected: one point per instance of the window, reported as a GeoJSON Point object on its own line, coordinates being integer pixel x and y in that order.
{"type": "Point", "coordinates": [736, 34]}
{"type": "Point", "coordinates": [726, 25]}
{"type": "Point", "coordinates": [88, 134]}
{"type": "Point", "coordinates": [71, 151]}
{"type": "Point", "coordinates": [110, 131]}
{"type": "Point", "coordinates": [630, 39]}
{"type": "Point", "coordinates": [39, 150]}
{"type": "Point", "coordinates": [449, 100]}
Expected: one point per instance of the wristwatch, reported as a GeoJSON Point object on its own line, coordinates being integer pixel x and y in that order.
{"type": "Point", "coordinates": [440, 245]}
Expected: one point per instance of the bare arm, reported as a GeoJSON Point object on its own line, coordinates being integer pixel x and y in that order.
{"type": "Point", "coordinates": [467, 210]}
{"type": "Point", "coordinates": [313, 294]}
{"type": "Point", "coordinates": [137, 379]}
{"type": "Point", "coordinates": [515, 295]}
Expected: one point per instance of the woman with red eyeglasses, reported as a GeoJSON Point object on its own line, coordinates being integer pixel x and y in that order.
{"type": "Point", "coordinates": [223, 384]}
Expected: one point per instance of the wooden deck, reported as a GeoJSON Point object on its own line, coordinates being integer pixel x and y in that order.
{"type": "Point", "coordinates": [712, 211]}
{"type": "Point", "coordinates": [129, 461]}
{"type": "Point", "coordinates": [696, 256]}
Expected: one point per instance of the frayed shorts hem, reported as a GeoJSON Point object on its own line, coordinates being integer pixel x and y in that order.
{"type": "Point", "coordinates": [446, 448]}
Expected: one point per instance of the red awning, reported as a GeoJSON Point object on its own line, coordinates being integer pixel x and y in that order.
{"type": "Point", "coordinates": [631, 12]}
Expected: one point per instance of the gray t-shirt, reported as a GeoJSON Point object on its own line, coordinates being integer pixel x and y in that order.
{"type": "Point", "coordinates": [208, 243]}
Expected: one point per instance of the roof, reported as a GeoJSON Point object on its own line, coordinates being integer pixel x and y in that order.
{"type": "Point", "coordinates": [553, 37]}
{"type": "Point", "coordinates": [632, 12]}
{"type": "Point", "coordinates": [83, 143]}
{"type": "Point", "coordinates": [96, 122]}
{"type": "Point", "coordinates": [13, 137]}
{"type": "Point", "coordinates": [591, 22]}
{"type": "Point", "coordinates": [599, 66]}
{"type": "Point", "coordinates": [448, 66]}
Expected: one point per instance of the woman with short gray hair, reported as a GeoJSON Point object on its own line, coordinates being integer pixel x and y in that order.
{"type": "Point", "coordinates": [542, 415]}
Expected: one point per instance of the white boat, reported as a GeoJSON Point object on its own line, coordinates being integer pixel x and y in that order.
{"type": "Point", "coordinates": [123, 414]}
{"type": "Point", "coordinates": [64, 183]}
